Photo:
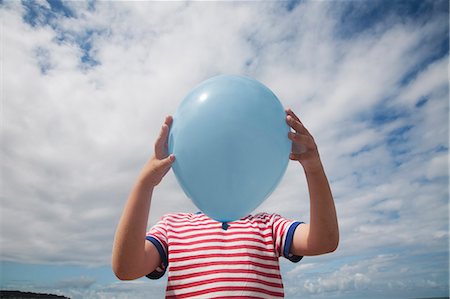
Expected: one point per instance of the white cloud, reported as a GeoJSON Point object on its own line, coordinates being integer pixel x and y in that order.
{"type": "Point", "coordinates": [387, 275]}
{"type": "Point", "coordinates": [76, 283]}
{"type": "Point", "coordinates": [75, 135]}
{"type": "Point", "coordinates": [429, 81]}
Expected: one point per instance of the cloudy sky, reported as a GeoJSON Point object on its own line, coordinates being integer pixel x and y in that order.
{"type": "Point", "coordinates": [85, 87]}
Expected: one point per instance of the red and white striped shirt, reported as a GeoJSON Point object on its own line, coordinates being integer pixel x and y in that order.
{"type": "Point", "coordinates": [210, 259]}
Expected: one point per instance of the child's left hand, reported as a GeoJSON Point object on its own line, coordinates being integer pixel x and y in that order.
{"type": "Point", "coordinates": [304, 148]}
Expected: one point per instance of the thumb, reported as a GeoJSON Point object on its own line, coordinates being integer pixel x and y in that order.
{"type": "Point", "coordinates": [167, 162]}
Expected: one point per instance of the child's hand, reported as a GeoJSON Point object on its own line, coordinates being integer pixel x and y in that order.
{"type": "Point", "coordinates": [159, 164]}
{"type": "Point", "coordinates": [304, 148]}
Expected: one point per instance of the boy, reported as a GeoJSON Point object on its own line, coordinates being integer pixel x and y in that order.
{"type": "Point", "coordinates": [208, 259]}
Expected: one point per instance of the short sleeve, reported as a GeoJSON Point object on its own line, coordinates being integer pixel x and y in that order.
{"type": "Point", "coordinates": [283, 233]}
{"type": "Point", "coordinates": [157, 235]}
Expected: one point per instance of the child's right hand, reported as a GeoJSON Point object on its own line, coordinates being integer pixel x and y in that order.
{"type": "Point", "coordinates": [160, 162]}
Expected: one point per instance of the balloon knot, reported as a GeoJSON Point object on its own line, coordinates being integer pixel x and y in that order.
{"type": "Point", "coordinates": [225, 225]}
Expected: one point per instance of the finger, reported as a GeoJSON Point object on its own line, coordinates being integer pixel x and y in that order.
{"type": "Point", "coordinates": [300, 156]}
{"type": "Point", "coordinates": [305, 140]}
{"type": "Point", "coordinates": [167, 162]}
{"type": "Point", "coordinates": [291, 113]}
{"type": "Point", "coordinates": [161, 142]}
{"type": "Point", "coordinates": [296, 157]}
{"type": "Point", "coordinates": [168, 120]}
{"type": "Point", "coordinates": [296, 125]}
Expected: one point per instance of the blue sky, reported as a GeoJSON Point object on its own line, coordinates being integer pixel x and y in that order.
{"type": "Point", "coordinates": [86, 85]}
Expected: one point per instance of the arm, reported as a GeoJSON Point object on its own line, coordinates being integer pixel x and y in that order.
{"type": "Point", "coordinates": [132, 255]}
{"type": "Point", "coordinates": [322, 234]}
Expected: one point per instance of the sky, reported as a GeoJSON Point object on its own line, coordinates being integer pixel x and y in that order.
{"type": "Point", "coordinates": [85, 87]}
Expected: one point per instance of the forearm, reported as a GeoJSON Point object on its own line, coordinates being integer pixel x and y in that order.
{"type": "Point", "coordinates": [129, 242]}
{"type": "Point", "coordinates": [324, 231]}
{"type": "Point", "coordinates": [132, 257]}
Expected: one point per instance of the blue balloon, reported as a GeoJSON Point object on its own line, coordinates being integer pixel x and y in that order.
{"type": "Point", "coordinates": [230, 140]}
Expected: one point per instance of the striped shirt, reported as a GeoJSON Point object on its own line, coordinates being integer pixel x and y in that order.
{"type": "Point", "coordinates": [210, 259]}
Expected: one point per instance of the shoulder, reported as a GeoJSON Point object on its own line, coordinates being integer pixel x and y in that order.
{"type": "Point", "coordinates": [271, 219]}
{"type": "Point", "coordinates": [263, 216]}
{"type": "Point", "coordinates": [183, 217]}
{"type": "Point", "coordinates": [267, 219]}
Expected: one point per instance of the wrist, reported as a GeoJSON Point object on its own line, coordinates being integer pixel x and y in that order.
{"type": "Point", "coordinates": [148, 176]}
{"type": "Point", "coordinates": [144, 183]}
{"type": "Point", "coordinates": [313, 168]}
